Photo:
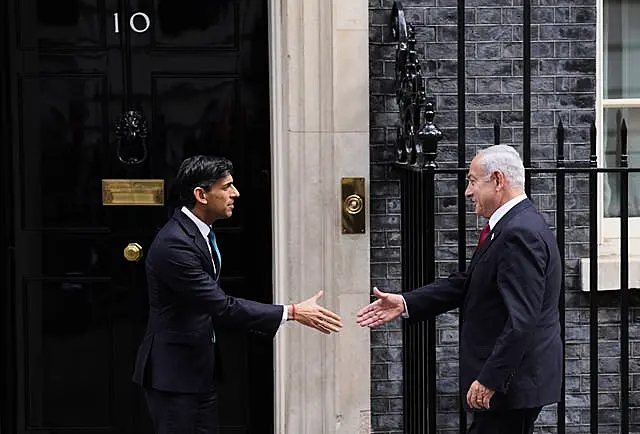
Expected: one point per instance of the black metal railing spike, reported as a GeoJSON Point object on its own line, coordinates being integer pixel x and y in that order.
{"type": "Point", "coordinates": [560, 134]}
{"type": "Point", "coordinates": [624, 157]}
{"type": "Point", "coordinates": [593, 157]}
{"type": "Point", "coordinates": [496, 133]}
{"type": "Point", "coordinates": [618, 132]}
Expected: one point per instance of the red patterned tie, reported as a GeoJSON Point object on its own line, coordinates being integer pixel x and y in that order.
{"type": "Point", "coordinates": [483, 235]}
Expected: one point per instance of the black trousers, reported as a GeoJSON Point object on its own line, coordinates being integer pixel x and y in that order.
{"type": "Point", "coordinates": [179, 413]}
{"type": "Point", "coordinates": [504, 422]}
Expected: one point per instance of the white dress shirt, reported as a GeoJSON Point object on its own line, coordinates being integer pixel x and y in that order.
{"type": "Point", "coordinates": [500, 212]}
{"type": "Point", "coordinates": [204, 230]}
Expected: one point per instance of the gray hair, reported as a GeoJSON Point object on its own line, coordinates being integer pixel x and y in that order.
{"type": "Point", "coordinates": [505, 159]}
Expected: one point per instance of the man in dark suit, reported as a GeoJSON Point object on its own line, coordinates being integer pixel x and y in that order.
{"type": "Point", "coordinates": [510, 347]}
{"type": "Point", "coordinates": [176, 362]}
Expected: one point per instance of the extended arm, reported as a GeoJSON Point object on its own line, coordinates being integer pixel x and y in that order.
{"type": "Point", "coordinates": [437, 297]}
{"type": "Point", "coordinates": [181, 270]}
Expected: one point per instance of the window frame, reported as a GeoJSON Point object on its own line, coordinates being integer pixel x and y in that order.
{"type": "Point", "coordinates": [609, 227]}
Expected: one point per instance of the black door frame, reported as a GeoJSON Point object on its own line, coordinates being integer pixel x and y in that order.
{"type": "Point", "coordinates": [7, 346]}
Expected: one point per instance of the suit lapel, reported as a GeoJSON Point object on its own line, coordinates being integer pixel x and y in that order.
{"type": "Point", "coordinates": [194, 233]}
{"type": "Point", "coordinates": [495, 233]}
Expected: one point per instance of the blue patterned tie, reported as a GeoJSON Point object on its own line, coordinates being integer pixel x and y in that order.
{"type": "Point", "coordinates": [217, 259]}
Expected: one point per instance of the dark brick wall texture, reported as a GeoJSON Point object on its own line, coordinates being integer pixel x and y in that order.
{"type": "Point", "coordinates": [563, 88]}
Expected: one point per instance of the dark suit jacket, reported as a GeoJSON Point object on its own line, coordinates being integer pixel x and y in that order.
{"type": "Point", "coordinates": [177, 353]}
{"type": "Point", "coordinates": [508, 299]}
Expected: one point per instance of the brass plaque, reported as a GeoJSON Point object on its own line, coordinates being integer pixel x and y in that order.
{"type": "Point", "coordinates": [353, 205]}
{"type": "Point", "coordinates": [140, 192]}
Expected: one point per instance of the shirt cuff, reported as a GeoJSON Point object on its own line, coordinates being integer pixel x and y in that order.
{"type": "Point", "coordinates": [405, 314]}
{"type": "Point", "coordinates": [284, 314]}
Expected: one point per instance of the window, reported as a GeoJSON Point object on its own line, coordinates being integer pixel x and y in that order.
{"type": "Point", "coordinates": [618, 98]}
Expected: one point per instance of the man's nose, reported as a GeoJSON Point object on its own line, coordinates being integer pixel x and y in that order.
{"type": "Point", "coordinates": [468, 192]}
{"type": "Point", "coordinates": [235, 192]}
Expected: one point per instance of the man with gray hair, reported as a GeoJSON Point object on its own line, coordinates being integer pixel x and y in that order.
{"type": "Point", "coordinates": [510, 346]}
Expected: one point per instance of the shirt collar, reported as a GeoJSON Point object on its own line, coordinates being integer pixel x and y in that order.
{"type": "Point", "coordinates": [500, 212]}
{"type": "Point", "coordinates": [202, 226]}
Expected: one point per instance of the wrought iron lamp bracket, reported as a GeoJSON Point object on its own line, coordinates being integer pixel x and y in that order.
{"type": "Point", "coordinates": [415, 146]}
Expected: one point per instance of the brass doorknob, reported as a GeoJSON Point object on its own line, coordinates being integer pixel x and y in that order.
{"type": "Point", "coordinates": [133, 252]}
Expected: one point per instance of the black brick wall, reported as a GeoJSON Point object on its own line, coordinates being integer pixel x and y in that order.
{"type": "Point", "coordinates": [563, 88]}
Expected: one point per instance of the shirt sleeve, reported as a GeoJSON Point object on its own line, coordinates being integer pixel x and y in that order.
{"type": "Point", "coordinates": [284, 314]}
{"type": "Point", "coordinates": [405, 313]}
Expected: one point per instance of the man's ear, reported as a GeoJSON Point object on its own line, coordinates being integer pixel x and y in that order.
{"type": "Point", "coordinates": [499, 179]}
{"type": "Point", "coordinates": [200, 195]}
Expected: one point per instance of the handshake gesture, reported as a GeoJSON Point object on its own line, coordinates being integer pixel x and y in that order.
{"type": "Point", "coordinates": [386, 308]}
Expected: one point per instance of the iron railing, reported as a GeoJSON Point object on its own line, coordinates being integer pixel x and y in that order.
{"type": "Point", "coordinates": [417, 168]}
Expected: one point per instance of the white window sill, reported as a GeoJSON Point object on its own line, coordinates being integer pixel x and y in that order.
{"type": "Point", "coordinates": [609, 266]}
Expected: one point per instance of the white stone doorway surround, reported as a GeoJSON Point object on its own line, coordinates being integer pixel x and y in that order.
{"type": "Point", "coordinates": [319, 80]}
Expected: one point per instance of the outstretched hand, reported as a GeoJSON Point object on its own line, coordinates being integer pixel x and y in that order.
{"type": "Point", "coordinates": [311, 314]}
{"type": "Point", "coordinates": [386, 308]}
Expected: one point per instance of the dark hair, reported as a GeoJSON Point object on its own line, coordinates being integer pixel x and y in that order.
{"type": "Point", "coordinates": [200, 171]}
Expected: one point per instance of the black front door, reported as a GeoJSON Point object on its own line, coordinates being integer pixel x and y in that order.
{"type": "Point", "coordinates": [101, 90]}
